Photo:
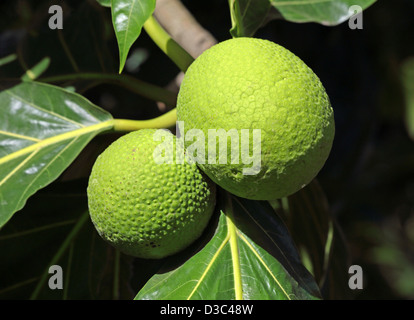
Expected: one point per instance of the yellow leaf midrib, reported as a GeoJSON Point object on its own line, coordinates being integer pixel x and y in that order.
{"type": "Point", "coordinates": [231, 239]}
{"type": "Point", "coordinates": [56, 139]}
{"type": "Point", "coordinates": [235, 257]}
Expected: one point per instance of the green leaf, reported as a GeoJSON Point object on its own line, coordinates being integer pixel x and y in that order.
{"type": "Point", "coordinates": [318, 238]}
{"type": "Point", "coordinates": [36, 70]}
{"type": "Point", "coordinates": [128, 18]}
{"type": "Point", "coordinates": [391, 251]}
{"type": "Point", "coordinates": [42, 130]}
{"type": "Point", "coordinates": [8, 59]}
{"type": "Point", "coordinates": [251, 257]}
{"type": "Point", "coordinates": [54, 229]}
{"type": "Point", "coordinates": [247, 16]}
{"type": "Point", "coordinates": [407, 79]}
{"type": "Point", "coordinates": [104, 3]}
{"type": "Point", "coordinates": [326, 12]}
{"type": "Point", "coordinates": [86, 30]}
{"type": "Point", "coordinates": [311, 226]}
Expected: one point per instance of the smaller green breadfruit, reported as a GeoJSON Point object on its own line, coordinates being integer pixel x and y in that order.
{"type": "Point", "coordinates": [145, 208]}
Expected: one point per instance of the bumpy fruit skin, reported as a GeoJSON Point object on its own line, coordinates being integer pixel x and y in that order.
{"type": "Point", "coordinates": [250, 83]}
{"type": "Point", "coordinates": [145, 209]}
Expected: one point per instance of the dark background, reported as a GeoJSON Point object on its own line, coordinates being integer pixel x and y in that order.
{"type": "Point", "coordinates": [369, 176]}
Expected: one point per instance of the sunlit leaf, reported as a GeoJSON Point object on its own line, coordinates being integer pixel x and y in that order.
{"type": "Point", "coordinates": [42, 130]}
{"type": "Point", "coordinates": [247, 16]}
{"type": "Point", "coordinates": [105, 3]}
{"type": "Point", "coordinates": [250, 257]}
{"type": "Point", "coordinates": [326, 12]}
{"type": "Point", "coordinates": [128, 18]}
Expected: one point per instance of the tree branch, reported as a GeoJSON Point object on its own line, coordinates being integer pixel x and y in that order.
{"type": "Point", "coordinates": [180, 24]}
{"type": "Point", "coordinates": [183, 27]}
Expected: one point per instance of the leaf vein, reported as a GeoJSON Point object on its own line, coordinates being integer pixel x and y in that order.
{"type": "Point", "coordinates": [56, 139]}
{"type": "Point", "coordinates": [214, 258]}
{"type": "Point", "coordinates": [44, 110]}
{"type": "Point", "coordinates": [19, 136]}
{"type": "Point", "coordinates": [21, 164]}
{"type": "Point", "coordinates": [43, 169]}
{"type": "Point", "coordinates": [263, 263]}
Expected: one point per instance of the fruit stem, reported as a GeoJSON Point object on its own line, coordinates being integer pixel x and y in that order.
{"type": "Point", "coordinates": [167, 44]}
{"type": "Point", "coordinates": [166, 120]}
{"type": "Point", "coordinates": [140, 87]}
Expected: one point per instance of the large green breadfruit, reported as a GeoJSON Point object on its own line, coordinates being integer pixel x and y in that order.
{"type": "Point", "coordinates": [257, 86]}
